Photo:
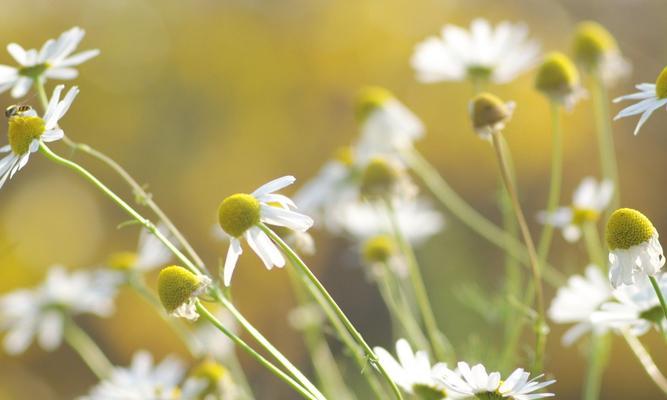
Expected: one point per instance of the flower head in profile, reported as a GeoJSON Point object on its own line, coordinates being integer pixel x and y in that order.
{"type": "Point", "coordinates": [576, 302]}
{"type": "Point", "coordinates": [650, 97]}
{"type": "Point", "coordinates": [53, 61]}
{"type": "Point", "coordinates": [385, 178]}
{"type": "Point", "coordinates": [588, 202]}
{"type": "Point", "coordinates": [596, 50]}
{"type": "Point", "coordinates": [476, 383]}
{"type": "Point", "coordinates": [151, 253]}
{"type": "Point", "coordinates": [241, 215]}
{"type": "Point", "coordinates": [26, 130]}
{"type": "Point", "coordinates": [216, 380]}
{"type": "Point", "coordinates": [412, 371]}
{"type": "Point", "coordinates": [634, 249]}
{"type": "Point", "coordinates": [43, 311]}
{"type": "Point", "coordinates": [489, 114]}
{"type": "Point", "coordinates": [558, 79]}
{"type": "Point", "coordinates": [483, 53]}
{"type": "Point", "coordinates": [178, 289]}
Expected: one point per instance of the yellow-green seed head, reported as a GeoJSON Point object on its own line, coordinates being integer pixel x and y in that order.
{"type": "Point", "coordinates": [627, 227]}
{"type": "Point", "coordinates": [591, 42]}
{"type": "Point", "coordinates": [557, 76]}
{"type": "Point", "coordinates": [487, 110]}
{"type": "Point", "coordinates": [370, 99]}
{"type": "Point", "coordinates": [175, 286]}
{"type": "Point", "coordinates": [582, 215]}
{"type": "Point", "coordinates": [123, 260]}
{"type": "Point", "coordinates": [379, 178]}
{"type": "Point", "coordinates": [378, 249]}
{"type": "Point", "coordinates": [661, 84]}
{"type": "Point", "coordinates": [238, 213]}
{"type": "Point", "coordinates": [22, 131]}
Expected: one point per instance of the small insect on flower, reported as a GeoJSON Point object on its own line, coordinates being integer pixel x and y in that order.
{"type": "Point", "coordinates": [634, 249]}
{"type": "Point", "coordinates": [178, 289]}
{"type": "Point", "coordinates": [27, 131]}
{"type": "Point", "coordinates": [651, 96]}
{"type": "Point", "coordinates": [558, 79]}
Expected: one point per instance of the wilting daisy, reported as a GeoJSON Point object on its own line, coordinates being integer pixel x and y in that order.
{"type": "Point", "coordinates": [576, 302]}
{"type": "Point", "coordinates": [588, 202]}
{"type": "Point", "coordinates": [634, 249]}
{"type": "Point", "coordinates": [44, 311]}
{"type": "Point", "coordinates": [476, 382]}
{"type": "Point", "coordinates": [596, 50]}
{"type": "Point", "coordinates": [483, 53]}
{"type": "Point", "coordinates": [178, 289]}
{"type": "Point", "coordinates": [54, 61]}
{"type": "Point", "coordinates": [151, 253]}
{"type": "Point", "coordinates": [489, 114]}
{"type": "Point", "coordinates": [651, 96]}
{"type": "Point", "coordinates": [634, 307]}
{"type": "Point", "coordinates": [142, 380]}
{"type": "Point", "coordinates": [27, 130]}
{"type": "Point", "coordinates": [412, 371]}
{"type": "Point", "coordinates": [241, 214]}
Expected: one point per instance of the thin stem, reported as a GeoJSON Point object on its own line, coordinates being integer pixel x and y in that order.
{"type": "Point", "coordinates": [540, 324]}
{"type": "Point", "coordinates": [473, 219]}
{"type": "Point", "coordinates": [605, 136]}
{"type": "Point", "coordinates": [598, 355]}
{"type": "Point", "coordinates": [593, 245]}
{"type": "Point", "coordinates": [303, 268]}
{"type": "Point", "coordinates": [647, 362]}
{"type": "Point", "coordinates": [266, 363]}
{"type": "Point", "coordinates": [658, 292]}
{"type": "Point", "coordinates": [86, 347]}
{"type": "Point", "coordinates": [555, 181]}
{"type": "Point", "coordinates": [442, 348]}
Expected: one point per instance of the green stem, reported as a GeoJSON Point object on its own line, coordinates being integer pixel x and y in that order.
{"type": "Point", "coordinates": [86, 347]}
{"type": "Point", "coordinates": [555, 181]}
{"type": "Point", "coordinates": [593, 245]}
{"type": "Point", "coordinates": [658, 293]}
{"type": "Point", "coordinates": [605, 136]}
{"type": "Point", "coordinates": [303, 269]}
{"type": "Point", "coordinates": [540, 324]}
{"type": "Point", "coordinates": [646, 361]}
{"type": "Point", "coordinates": [442, 348]}
{"type": "Point", "coordinates": [266, 363]}
{"type": "Point", "coordinates": [598, 356]}
{"type": "Point", "coordinates": [469, 216]}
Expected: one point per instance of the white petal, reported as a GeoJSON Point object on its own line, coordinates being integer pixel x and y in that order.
{"type": "Point", "coordinates": [21, 87]}
{"type": "Point", "coordinates": [287, 218]}
{"type": "Point", "coordinates": [233, 254]}
{"type": "Point", "coordinates": [19, 54]}
{"type": "Point", "coordinates": [50, 330]}
{"type": "Point", "coordinates": [274, 185]}
{"type": "Point", "coordinates": [61, 73]}
{"type": "Point", "coordinates": [79, 58]}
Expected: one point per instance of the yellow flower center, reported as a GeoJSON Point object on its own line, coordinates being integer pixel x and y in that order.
{"type": "Point", "coordinates": [627, 227]}
{"type": "Point", "coordinates": [378, 249]}
{"type": "Point", "coordinates": [370, 99]}
{"type": "Point", "coordinates": [379, 178]}
{"type": "Point", "coordinates": [487, 110]}
{"type": "Point", "coordinates": [35, 71]}
{"type": "Point", "coordinates": [582, 215]}
{"type": "Point", "coordinates": [238, 213]}
{"type": "Point", "coordinates": [124, 260]}
{"type": "Point", "coordinates": [175, 286]}
{"type": "Point", "coordinates": [211, 372]}
{"type": "Point", "coordinates": [557, 76]}
{"type": "Point", "coordinates": [661, 84]}
{"type": "Point", "coordinates": [591, 42]}
{"type": "Point", "coordinates": [22, 131]}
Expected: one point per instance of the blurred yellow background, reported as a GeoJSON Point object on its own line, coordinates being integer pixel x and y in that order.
{"type": "Point", "coordinates": [200, 99]}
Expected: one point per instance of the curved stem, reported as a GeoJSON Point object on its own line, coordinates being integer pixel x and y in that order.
{"type": "Point", "coordinates": [594, 245]}
{"type": "Point", "coordinates": [266, 363]}
{"type": "Point", "coordinates": [605, 137]}
{"type": "Point", "coordinates": [658, 292]}
{"type": "Point", "coordinates": [647, 362]}
{"type": "Point", "coordinates": [86, 347]}
{"type": "Point", "coordinates": [303, 269]}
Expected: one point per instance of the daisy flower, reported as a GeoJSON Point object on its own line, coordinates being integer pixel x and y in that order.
{"type": "Point", "coordinates": [634, 249]}
{"type": "Point", "coordinates": [578, 300]}
{"type": "Point", "coordinates": [44, 311]}
{"type": "Point", "coordinates": [54, 61]}
{"type": "Point", "coordinates": [412, 371]}
{"type": "Point", "coordinates": [483, 53]}
{"type": "Point", "coordinates": [596, 50]}
{"type": "Point", "coordinates": [588, 202]}
{"type": "Point", "coordinates": [558, 79]}
{"type": "Point", "coordinates": [241, 214]}
{"type": "Point", "coordinates": [650, 97]}
{"type": "Point", "coordinates": [489, 114]}
{"type": "Point", "coordinates": [178, 289]}
{"type": "Point", "coordinates": [151, 253]}
{"type": "Point", "coordinates": [385, 178]}
{"type": "Point", "coordinates": [27, 130]}
{"type": "Point", "coordinates": [476, 382]}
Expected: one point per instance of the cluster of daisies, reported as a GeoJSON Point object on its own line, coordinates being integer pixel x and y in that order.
{"type": "Point", "coordinates": [365, 194]}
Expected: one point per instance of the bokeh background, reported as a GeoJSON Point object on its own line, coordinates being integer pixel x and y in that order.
{"type": "Point", "coordinates": [201, 99]}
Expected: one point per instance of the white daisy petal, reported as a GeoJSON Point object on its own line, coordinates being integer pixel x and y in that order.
{"type": "Point", "coordinates": [274, 186]}
{"type": "Point", "coordinates": [233, 254]}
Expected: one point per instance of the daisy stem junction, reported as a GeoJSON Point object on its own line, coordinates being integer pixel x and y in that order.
{"type": "Point", "coordinates": [303, 268]}
{"type": "Point", "coordinates": [87, 349]}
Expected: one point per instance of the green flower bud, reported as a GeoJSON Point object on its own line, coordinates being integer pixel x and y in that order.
{"type": "Point", "coordinates": [378, 249]}
{"type": "Point", "coordinates": [591, 43]}
{"type": "Point", "coordinates": [238, 213]}
{"type": "Point", "coordinates": [661, 84]}
{"type": "Point", "coordinates": [22, 131]}
{"type": "Point", "coordinates": [557, 77]}
{"type": "Point", "coordinates": [370, 99]}
{"type": "Point", "coordinates": [627, 228]}
{"type": "Point", "coordinates": [489, 113]}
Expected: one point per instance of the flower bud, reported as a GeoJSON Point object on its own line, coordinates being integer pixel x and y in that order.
{"type": "Point", "coordinates": [557, 77]}
{"type": "Point", "coordinates": [592, 42]}
{"type": "Point", "coordinates": [489, 114]}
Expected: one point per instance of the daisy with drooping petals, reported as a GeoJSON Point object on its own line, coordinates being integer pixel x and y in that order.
{"type": "Point", "coordinates": [179, 288]}
{"type": "Point", "coordinates": [53, 61]}
{"type": "Point", "coordinates": [479, 384]}
{"type": "Point", "coordinates": [241, 214]}
{"type": "Point", "coordinates": [483, 53]}
{"type": "Point", "coordinates": [412, 371]}
{"type": "Point", "coordinates": [44, 311]}
{"type": "Point", "coordinates": [588, 202]}
{"type": "Point", "coordinates": [27, 130]}
{"type": "Point", "coordinates": [651, 96]}
{"type": "Point", "coordinates": [578, 300]}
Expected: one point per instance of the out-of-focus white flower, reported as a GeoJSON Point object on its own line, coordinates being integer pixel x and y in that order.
{"type": "Point", "coordinates": [596, 50]}
{"type": "Point", "coordinates": [558, 79]}
{"type": "Point", "coordinates": [576, 302]}
{"type": "Point", "coordinates": [588, 202]}
{"type": "Point", "coordinates": [651, 96]}
{"type": "Point", "coordinates": [42, 312]}
{"type": "Point", "coordinates": [483, 53]}
{"type": "Point", "coordinates": [151, 253]}
{"type": "Point", "coordinates": [240, 215]}
{"type": "Point", "coordinates": [53, 61]}
{"type": "Point", "coordinates": [27, 130]}
{"type": "Point", "coordinates": [208, 340]}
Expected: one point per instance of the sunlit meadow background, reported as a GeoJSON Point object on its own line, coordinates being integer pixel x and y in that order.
{"type": "Point", "coordinates": [200, 99]}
